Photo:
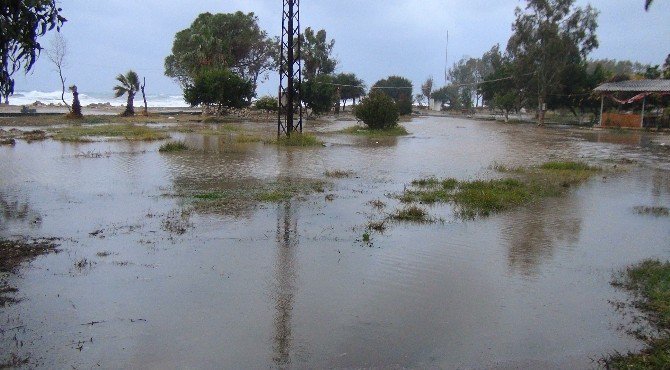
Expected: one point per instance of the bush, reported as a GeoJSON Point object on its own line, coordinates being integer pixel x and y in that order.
{"type": "Point", "coordinates": [220, 88]}
{"type": "Point", "coordinates": [267, 103]}
{"type": "Point", "coordinates": [377, 111]}
{"type": "Point", "coordinates": [399, 89]}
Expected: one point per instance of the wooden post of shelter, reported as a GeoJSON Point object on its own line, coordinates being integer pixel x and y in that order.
{"type": "Point", "coordinates": [602, 106]}
{"type": "Point", "coordinates": [644, 101]}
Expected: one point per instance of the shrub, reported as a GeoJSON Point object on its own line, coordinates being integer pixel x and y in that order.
{"type": "Point", "coordinates": [399, 89]}
{"type": "Point", "coordinates": [268, 103]}
{"type": "Point", "coordinates": [377, 111]}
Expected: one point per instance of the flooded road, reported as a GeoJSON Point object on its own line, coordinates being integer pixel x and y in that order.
{"type": "Point", "coordinates": [146, 280]}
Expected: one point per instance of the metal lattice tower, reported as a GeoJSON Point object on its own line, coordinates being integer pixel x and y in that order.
{"type": "Point", "coordinates": [290, 71]}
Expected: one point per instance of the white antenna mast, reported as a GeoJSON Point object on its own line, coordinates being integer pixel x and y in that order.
{"type": "Point", "coordinates": [446, 60]}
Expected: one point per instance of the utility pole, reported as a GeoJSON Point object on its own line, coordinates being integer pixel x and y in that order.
{"type": "Point", "coordinates": [290, 71]}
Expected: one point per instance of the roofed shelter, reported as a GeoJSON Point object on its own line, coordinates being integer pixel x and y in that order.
{"type": "Point", "coordinates": [641, 90]}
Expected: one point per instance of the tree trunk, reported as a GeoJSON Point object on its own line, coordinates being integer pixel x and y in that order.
{"type": "Point", "coordinates": [76, 106]}
{"type": "Point", "coordinates": [144, 97]}
{"type": "Point", "coordinates": [130, 110]}
{"type": "Point", "coordinates": [62, 95]}
{"type": "Point", "coordinates": [540, 115]}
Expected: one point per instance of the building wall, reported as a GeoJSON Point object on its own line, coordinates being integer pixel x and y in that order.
{"type": "Point", "coordinates": [621, 120]}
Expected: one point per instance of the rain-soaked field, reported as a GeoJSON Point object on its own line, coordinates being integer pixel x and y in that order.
{"type": "Point", "coordinates": [156, 271]}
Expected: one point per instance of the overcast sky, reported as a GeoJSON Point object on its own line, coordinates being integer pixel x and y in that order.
{"type": "Point", "coordinates": [373, 38]}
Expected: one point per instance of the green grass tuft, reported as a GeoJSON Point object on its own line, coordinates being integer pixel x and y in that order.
{"type": "Point", "coordinates": [83, 133]}
{"type": "Point", "coordinates": [483, 198]}
{"type": "Point", "coordinates": [649, 282]}
{"type": "Point", "coordinates": [297, 140]}
{"type": "Point", "coordinates": [568, 166]}
{"type": "Point", "coordinates": [411, 214]}
{"type": "Point", "coordinates": [396, 130]}
{"type": "Point", "coordinates": [173, 146]}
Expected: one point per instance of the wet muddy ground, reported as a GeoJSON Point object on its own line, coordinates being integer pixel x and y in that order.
{"type": "Point", "coordinates": [156, 271]}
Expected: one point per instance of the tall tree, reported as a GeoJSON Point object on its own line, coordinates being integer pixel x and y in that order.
{"type": "Point", "coordinates": [128, 84]}
{"type": "Point", "coordinates": [56, 54]}
{"type": "Point", "coordinates": [233, 41]}
{"type": "Point", "coordinates": [221, 88]}
{"type": "Point", "coordinates": [448, 95]}
{"type": "Point", "coordinates": [21, 24]}
{"type": "Point", "coordinates": [316, 53]}
{"type": "Point", "coordinates": [427, 88]}
{"type": "Point", "coordinates": [466, 75]}
{"type": "Point", "coordinates": [351, 87]}
{"type": "Point", "coordinates": [319, 94]}
{"type": "Point", "coordinates": [399, 89]}
{"type": "Point", "coordinates": [549, 36]}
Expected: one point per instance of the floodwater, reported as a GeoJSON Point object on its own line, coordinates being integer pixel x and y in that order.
{"type": "Point", "coordinates": [291, 284]}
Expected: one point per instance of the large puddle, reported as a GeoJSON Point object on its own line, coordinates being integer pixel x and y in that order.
{"type": "Point", "coordinates": [146, 281]}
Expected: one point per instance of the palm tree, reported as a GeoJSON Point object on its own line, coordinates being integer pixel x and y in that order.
{"type": "Point", "coordinates": [648, 3]}
{"type": "Point", "coordinates": [130, 84]}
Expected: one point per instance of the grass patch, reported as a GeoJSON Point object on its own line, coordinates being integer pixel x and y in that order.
{"type": "Point", "coordinates": [397, 130]}
{"type": "Point", "coordinates": [211, 196]}
{"type": "Point", "coordinates": [297, 140]}
{"type": "Point", "coordinates": [173, 146]}
{"type": "Point", "coordinates": [567, 166]}
{"type": "Point", "coordinates": [411, 214]}
{"type": "Point", "coordinates": [243, 139]}
{"type": "Point", "coordinates": [649, 282]}
{"type": "Point", "coordinates": [275, 195]}
{"type": "Point", "coordinates": [378, 226]}
{"type": "Point", "coordinates": [247, 194]}
{"type": "Point", "coordinates": [653, 211]}
{"type": "Point", "coordinates": [377, 204]}
{"type": "Point", "coordinates": [128, 132]}
{"type": "Point", "coordinates": [485, 197]}
{"type": "Point", "coordinates": [339, 174]}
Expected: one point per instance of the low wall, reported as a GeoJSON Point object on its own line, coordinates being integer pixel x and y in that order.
{"type": "Point", "coordinates": [621, 120]}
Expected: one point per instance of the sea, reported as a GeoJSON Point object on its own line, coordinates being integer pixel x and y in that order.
{"type": "Point", "coordinates": [86, 98]}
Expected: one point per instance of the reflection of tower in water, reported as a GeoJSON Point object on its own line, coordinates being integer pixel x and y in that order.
{"type": "Point", "coordinates": [285, 276]}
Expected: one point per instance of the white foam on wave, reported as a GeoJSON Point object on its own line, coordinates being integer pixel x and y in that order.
{"type": "Point", "coordinates": [54, 97]}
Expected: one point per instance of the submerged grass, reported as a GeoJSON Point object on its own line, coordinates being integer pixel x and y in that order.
{"type": "Point", "coordinates": [297, 140]}
{"type": "Point", "coordinates": [339, 174]}
{"type": "Point", "coordinates": [411, 214]}
{"type": "Point", "coordinates": [396, 130]}
{"type": "Point", "coordinates": [129, 132]}
{"type": "Point", "coordinates": [649, 282]}
{"type": "Point", "coordinates": [485, 197]}
{"type": "Point", "coordinates": [244, 138]}
{"type": "Point", "coordinates": [173, 146]}
{"type": "Point", "coordinates": [248, 194]}
{"type": "Point", "coordinates": [653, 211]}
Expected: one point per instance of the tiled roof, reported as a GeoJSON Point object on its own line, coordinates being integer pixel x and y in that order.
{"type": "Point", "coordinates": [636, 86]}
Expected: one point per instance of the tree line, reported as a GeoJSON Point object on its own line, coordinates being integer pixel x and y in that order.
{"type": "Point", "coordinates": [545, 65]}
{"type": "Point", "coordinates": [221, 58]}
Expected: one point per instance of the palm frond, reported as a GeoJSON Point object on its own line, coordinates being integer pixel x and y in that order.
{"type": "Point", "coordinates": [122, 79]}
{"type": "Point", "coordinates": [119, 91]}
{"type": "Point", "coordinates": [133, 80]}
{"type": "Point", "coordinates": [646, 6]}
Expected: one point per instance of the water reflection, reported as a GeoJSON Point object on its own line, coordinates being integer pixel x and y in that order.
{"type": "Point", "coordinates": [533, 233]}
{"type": "Point", "coordinates": [14, 210]}
{"type": "Point", "coordinates": [285, 278]}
